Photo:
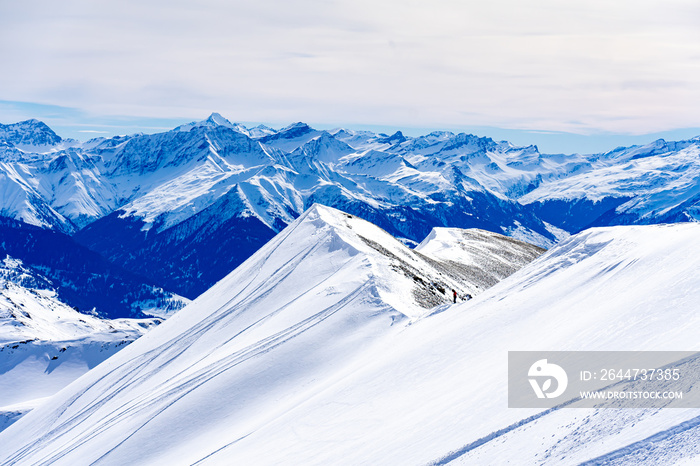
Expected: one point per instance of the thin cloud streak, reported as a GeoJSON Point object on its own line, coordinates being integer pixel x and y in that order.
{"type": "Point", "coordinates": [580, 66]}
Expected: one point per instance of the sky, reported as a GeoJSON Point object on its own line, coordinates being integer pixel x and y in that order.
{"type": "Point", "coordinates": [568, 76]}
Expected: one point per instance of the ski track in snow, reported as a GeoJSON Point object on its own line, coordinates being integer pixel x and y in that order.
{"type": "Point", "coordinates": [173, 390]}
{"type": "Point", "coordinates": [452, 456]}
{"type": "Point", "coordinates": [623, 455]}
{"type": "Point", "coordinates": [438, 413]}
{"type": "Point", "coordinates": [645, 449]}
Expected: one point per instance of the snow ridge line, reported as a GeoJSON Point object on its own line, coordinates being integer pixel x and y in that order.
{"type": "Point", "coordinates": [620, 453]}
{"type": "Point", "coordinates": [494, 435]}
{"type": "Point", "coordinates": [180, 389]}
{"type": "Point", "coordinates": [148, 358]}
{"type": "Point", "coordinates": [645, 443]}
{"type": "Point", "coordinates": [183, 388]}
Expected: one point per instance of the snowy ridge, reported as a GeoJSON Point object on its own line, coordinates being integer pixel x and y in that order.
{"type": "Point", "coordinates": [486, 257]}
{"type": "Point", "coordinates": [318, 369]}
{"type": "Point", "coordinates": [30, 135]}
{"type": "Point", "coordinates": [358, 285]}
{"type": "Point", "coordinates": [153, 204]}
{"type": "Point", "coordinates": [266, 183]}
{"type": "Point", "coordinates": [414, 170]}
{"type": "Point", "coordinates": [22, 201]}
{"type": "Point", "coordinates": [126, 168]}
{"type": "Point", "coordinates": [215, 119]}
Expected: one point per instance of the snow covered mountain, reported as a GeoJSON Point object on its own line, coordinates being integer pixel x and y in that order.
{"type": "Point", "coordinates": [29, 135]}
{"type": "Point", "coordinates": [46, 344]}
{"type": "Point", "coordinates": [185, 207]}
{"type": "Point", "coordinates": [656, 183]}
{"type": "Point", "coordinates": [357, 275]}
{"type": "Point", "coordinates": [206, 196]}
{"type": "Point", "coordinates": [321, 349]}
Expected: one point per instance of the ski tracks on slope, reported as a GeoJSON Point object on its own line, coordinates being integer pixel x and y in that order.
{"type": "Point", "coordinates": [181, 384]}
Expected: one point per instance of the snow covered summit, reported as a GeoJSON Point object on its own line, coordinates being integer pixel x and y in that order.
{"type": "Point", "coordinates": [29, 134]}
{"type": "Point", "coordinates": [214, 120]}
{"type": "Point", "coordinates": [300, 312]}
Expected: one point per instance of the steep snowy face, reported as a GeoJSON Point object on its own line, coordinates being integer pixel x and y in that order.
{"type": "Point", "coordinates": [260, 131]}
{"type": "Point", "coordinates": [323, 292]}
{"type": "Point", "coordinates": [181, 171]}
{"type": "Point", "coordinates": [146, 154]}
{"type": "Point", "coordinates": [74, 183]}
{"type": "Point", "coordinates": [153, 203]}
{"type": "Point", "coordinates": [486, 257]}
{"type": "Point", "coordinates": [360, 140]}
{"type": "Point", "coordinates": [324, 148]}
{"type": "Point", "coordinates": [298, 357]}
{"type": "Point", "coordinates": [648, 184]}
{"type": "Point", "coordinates": [266, 188]}
{"type": "Point", "coordinates": [21, 199]}
{"type": "Point", "coordinates": [29, 134]}
{"type": "Point", "coordinates": [292, 137]}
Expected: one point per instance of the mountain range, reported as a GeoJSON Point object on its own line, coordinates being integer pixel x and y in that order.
{"type": "Point", "coordinates": [183, 208]}
{"type": "Point", "coordinates": [341, 334]}
{"type": "Point", "coordinates": [45, 344]}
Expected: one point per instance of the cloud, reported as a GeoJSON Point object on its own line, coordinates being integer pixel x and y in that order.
{"type": "Point", "coordinates": [581, 66]}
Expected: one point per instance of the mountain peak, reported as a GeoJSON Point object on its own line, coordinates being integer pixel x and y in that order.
{"type": "Point", "coordinates": [217, 119]}
{"type": "Point", "coordinates": [291, 137]}
{"type": "Point", "coordinates": [325, 148]}
{"type": "Point", "coordinates": [214, 120]}
{"type": "Point", "coordinates": [295, 126]}
{"type": "Point", "coordinates": [396, 138]}
{"type": "Point", "coordinates": [29, 133]}
{"type": "Point", "coordinates": [261, 131]}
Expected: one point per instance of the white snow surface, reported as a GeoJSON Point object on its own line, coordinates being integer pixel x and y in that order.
{"type": "Point", "coordinates": [315, 351]}
{"type": "Point", "coordinates": [45, 344]}
{"type": "Point", "coordinates": [169, 177]}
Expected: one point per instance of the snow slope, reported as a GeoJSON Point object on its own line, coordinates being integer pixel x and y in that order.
{"type": "Point", "coordinates": [83, 182]}
{"type": "Point", "coordinates": [175, 185]}
{"type": "Point", "coordinates": [317, 351]}
{"type": "Point", "coordinates": [31, 310]}
{"type": "Point", "coordinates": [30, 135]}
{"type": "Point", "coordinates": [318, 296]}
{"type": "Point", "coordinates": [45, 344]}
{"type": "Point", "coordinates": [143, 195]}
{"type": "Point", "coordinates": [488, 256]}
{"type": "Point", "coordinates": [438, 389]}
